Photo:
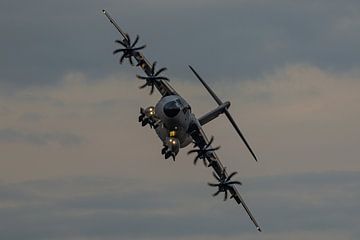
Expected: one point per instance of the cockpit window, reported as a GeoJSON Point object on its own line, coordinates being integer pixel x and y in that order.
{"type": "Point", "coordinates": [179, 103]}
{"type": "Point", "coordinates": [171, 109]}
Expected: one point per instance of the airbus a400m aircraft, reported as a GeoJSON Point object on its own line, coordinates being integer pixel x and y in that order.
{"type": "Point", "coordinates": [175, 124]}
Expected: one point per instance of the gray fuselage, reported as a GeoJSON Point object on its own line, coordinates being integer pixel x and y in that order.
{"type": "Point", "coordinates": [176, 117]}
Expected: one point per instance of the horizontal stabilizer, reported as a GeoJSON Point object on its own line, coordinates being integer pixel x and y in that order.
{"type": "Point", "coordinates": [228, 115]}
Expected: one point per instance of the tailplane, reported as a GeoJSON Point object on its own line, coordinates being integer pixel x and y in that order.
{"type": "Point", "coordinates": [223, 108]}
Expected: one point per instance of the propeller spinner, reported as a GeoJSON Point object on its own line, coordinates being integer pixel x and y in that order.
{"type": "Point", "coordinates": [129, 49]}
{"type": "Point", "coordinates": [203, 153]}
{"type": "Point", "coordinates": [224, 184]}
{"type": "Point", "coordinates": [153, 78]}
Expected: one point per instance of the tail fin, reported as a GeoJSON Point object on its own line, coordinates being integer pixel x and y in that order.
{"type": "Point", "coordinates": [217, 99]}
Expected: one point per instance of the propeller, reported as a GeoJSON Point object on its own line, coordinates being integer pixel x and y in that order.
{"type": "Point", "coordinates": [203, 153]}
{"type": "Point", "coordinates": [152, 78]}
{"type": "Point", "coordinates": [145, 119]}
{"type": "Point", "coordinates": [170, 154]}
{"type": "Point", "coordinates": [224, 184]}
{"type": "Point", "coordinates": [195, 144]}
{"type": "Point", "coordinates": [129, 49]}
{"type": "Point", "coordinates": [167, 152]}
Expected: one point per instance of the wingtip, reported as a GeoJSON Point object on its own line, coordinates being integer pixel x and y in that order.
{"type": "Point", "coordinates": [103, 11]}
{"type": "Point", "coordinates": [258, 228]}
{"type": "Point", "coordinates": [254, 156]}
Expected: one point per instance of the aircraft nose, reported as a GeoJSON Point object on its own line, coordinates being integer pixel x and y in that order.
{"type": "Point", "coordinates": [171, 109]}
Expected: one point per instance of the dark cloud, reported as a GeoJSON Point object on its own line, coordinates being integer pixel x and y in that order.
{"type": "Point", "coordinates": [311, 202]}
{"type": "Point", "coordinates": [119, 208]}
{"type": "Point", "coordinates": [43, 40]}
{"type": "Point", "coordinates": [64, 139]}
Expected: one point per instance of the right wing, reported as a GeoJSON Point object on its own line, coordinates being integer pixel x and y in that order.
{"type": "Point", "coordinates": [164, 88]}
{"type": "Point", "coordinates": [201, 140]}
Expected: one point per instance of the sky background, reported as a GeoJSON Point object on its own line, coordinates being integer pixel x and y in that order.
{"type": "Point", "coordinates": [76, 164]}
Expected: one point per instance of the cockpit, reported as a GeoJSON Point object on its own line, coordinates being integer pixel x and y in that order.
{"type": "Point", "coordinates": [171, 109]}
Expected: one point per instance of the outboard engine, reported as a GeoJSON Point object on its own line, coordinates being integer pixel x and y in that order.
{"type": "Point", "coordinates": [171, 147]}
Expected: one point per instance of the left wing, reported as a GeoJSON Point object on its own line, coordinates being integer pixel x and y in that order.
{"type": "Point", "coordinates": [201, 141]}
{"type": "Point", "coordinates": [164, 88]}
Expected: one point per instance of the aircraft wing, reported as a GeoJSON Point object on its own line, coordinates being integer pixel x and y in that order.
{"type": "Point", "coordinates": [201, 140]}
{"type": "Point", "coordinates": [163, 87]}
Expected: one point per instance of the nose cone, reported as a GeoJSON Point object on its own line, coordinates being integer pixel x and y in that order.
{"type": "Point", "coordinates": [171, 109]}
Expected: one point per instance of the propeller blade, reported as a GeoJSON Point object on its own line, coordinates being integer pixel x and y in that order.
{"type": "Point", "coordinates": [234, 182]}
{"type": "Point", "coordinates": [196, 159]}
{"type": "Point", "coordinates": [146, 121]}
{"type": "Point", "coordinates": [204, 162]}
{"type": "Point", "coordinates": [215, 194]}
{"type": "Point", "coordinates": [131, 61]}
{"type": "Point", "coordinates": [118, 50]}
{"type": "Point", "coordinates": [141, 77]}
{"type": "Point", "coordinates": [213, 149]}
{"type": "Point", "coordinates": [160, 71]}
{"type": "Point", "coordinates": [210, 142]}
{"type": "Point", "coordinates": [135, 42]}
{"type": "Point", "coordinates": [226, 195]}
{"type": "Point", "coordinates": [153, 68]}
{"type": "Point", "coordinates": [122, 58]}
{"type": "Point", "coordinates": [120, 42]}
{"type": "Point", "coordinates": [213, 184]}
{"type": "Point", "coordinates": [230, 176]}
{"type": "Point", "coordinates": [139, 48]}
{"type": "Point", "coordinates": [167, 155]}
{"type": "Point", "coordinates": [143, 86]}
{"type": "Point", "coordinates": [193, 151]}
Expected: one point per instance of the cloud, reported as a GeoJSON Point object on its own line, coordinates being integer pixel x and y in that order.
{"type": "Point", "coordinates": [303, 188]}
{"type": "Point", "coordinates": [313, 107]}
{"type": "Point", "coordinates": [299, 206]}
{"type": "Point", "coordinates": [309, 200]}
{"type": "Point", "coordinates": [301, 118]}
{"type": "Point", "coordinates": [64, 139]}
{"type": "Point", "coordinates": [289, 69]}
{"type": "Point", "coordinates": [234, 39]}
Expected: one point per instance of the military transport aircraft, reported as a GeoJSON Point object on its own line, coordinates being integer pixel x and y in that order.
{"type": "Point", "coordinates": [175, 124]}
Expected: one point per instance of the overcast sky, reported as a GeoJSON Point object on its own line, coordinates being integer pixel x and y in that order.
{"type": "Point", "coordinates": [76, 164]}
